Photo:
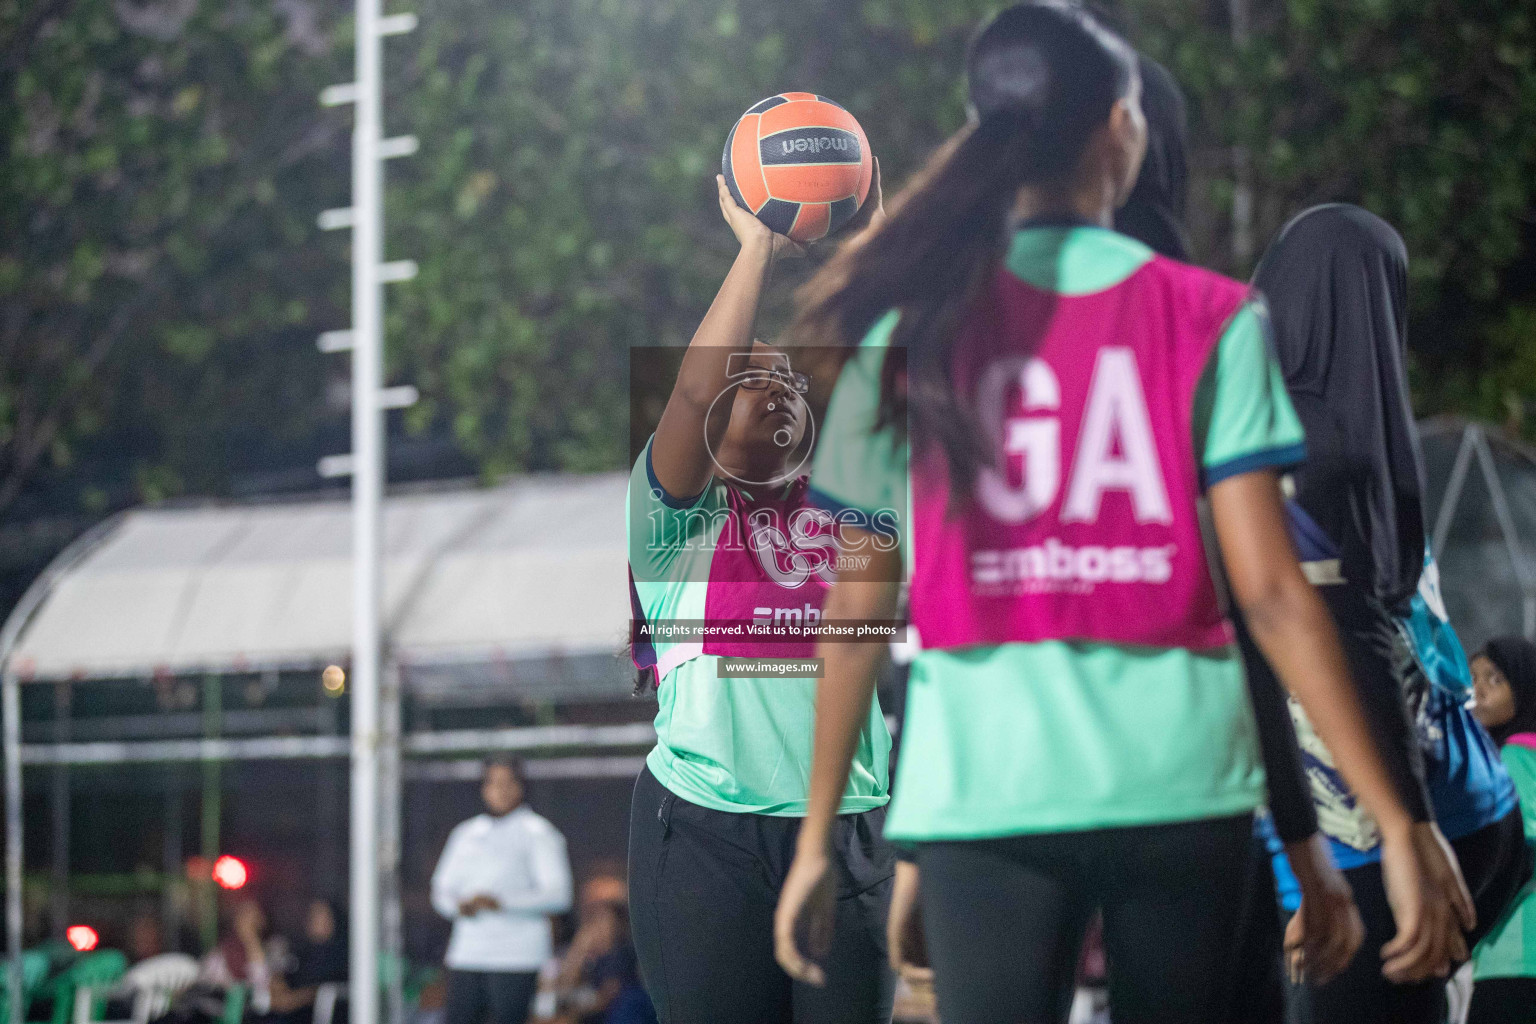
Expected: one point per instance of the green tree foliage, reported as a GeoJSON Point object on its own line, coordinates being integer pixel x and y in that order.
{"type": "Point", "coordinates": [161, 276]}
{"type": "Point", "coordinates": [1419, 110]}
{"type": "Point", "coordinates": [161, 170]}
{"type": "Point", "coordinates": [565, 208]}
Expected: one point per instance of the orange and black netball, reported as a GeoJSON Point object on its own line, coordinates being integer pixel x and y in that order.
{"type": "Point", "coordinates": [800, 162]}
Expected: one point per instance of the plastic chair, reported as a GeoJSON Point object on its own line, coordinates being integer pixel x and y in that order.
{"type": "Point", "coordinates": [234, 1004]}
{"type": "Point", "coordinates": [333, 992]}
{"type": "Point", "coordinates": [60, 954]}
{"type": "Point", "coordinates": [90, 976]}
{"type": "Point", "coordinates": [35, 967]}
{"type": "Point", "coordinates": [150, 985]}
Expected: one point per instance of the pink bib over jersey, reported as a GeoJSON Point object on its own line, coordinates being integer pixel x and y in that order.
{"type": "Point", "coordinates": [769, 572]}
{"type": "Point", "coordinates": [772, 567]}
{"type": "Point", "coordinates": [1086, 526]}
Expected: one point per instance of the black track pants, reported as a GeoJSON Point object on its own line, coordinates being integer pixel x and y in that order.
{"type": "Point", "coordinates": [1495, 862]}
{"type": "Point", "coordinates": [1004, 921]}
{"type": "Point", "coordinates": [703, 885]}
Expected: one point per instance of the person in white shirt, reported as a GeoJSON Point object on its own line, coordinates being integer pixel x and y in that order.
{"type": "Point", "coordinates": [501, 875]}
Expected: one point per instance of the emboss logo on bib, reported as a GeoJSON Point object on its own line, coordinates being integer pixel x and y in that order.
{"type": "Point", "coordinates": [1057, 566]}
{"type": "Point", "coordinates": [1115, 451]}
{"type": "Point", "coordinates": [806, 615]}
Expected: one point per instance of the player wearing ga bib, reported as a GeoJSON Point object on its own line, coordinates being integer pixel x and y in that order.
{"type": "Point", "coordinates": [1136, 710]}
{"type": "Point", "coordinates": [1078, 736]}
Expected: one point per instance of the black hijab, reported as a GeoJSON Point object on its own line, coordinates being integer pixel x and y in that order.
{"type": "Point", "coordinates": [1337, 283]}
{"type": "Point", "coordinates": [1516, 658]}
{"type": "Point", "coordinates": [1154, 213]}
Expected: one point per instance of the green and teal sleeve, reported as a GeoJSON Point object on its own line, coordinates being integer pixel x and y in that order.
{"type": "Point", "coordinates": [1521, 764]}
{"type": "Point", "coordinates": [1244, 419]}
{"type": "Point", "coordinates": [657, 521]}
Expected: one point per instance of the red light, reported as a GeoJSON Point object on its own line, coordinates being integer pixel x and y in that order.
{"type": "Point", "coordinates": [230, 872]}
{"type": "Point", "coordinates": [82, 936]}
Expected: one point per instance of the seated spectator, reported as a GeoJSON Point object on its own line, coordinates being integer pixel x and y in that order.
{"type": "Point", "coordinates": [158, 981]}
{"type": "Point", "coordinates": [142, 946]}
{"type": "Point", "coordinates": [319, 958]}
{"type": "Point", "coordinates": [246, 955]}
{"type": "Point", "coordinates": [600, 976]}
{"type": "Point", "coordinates": [145, 938]}
{"type": "Point", "coordinates": [605, 883]}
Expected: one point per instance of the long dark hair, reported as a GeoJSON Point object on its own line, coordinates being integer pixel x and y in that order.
{"type": "Point", "coordinates": [1154, 211]}
{"type": "Point", "coordinates": [1043, 77]}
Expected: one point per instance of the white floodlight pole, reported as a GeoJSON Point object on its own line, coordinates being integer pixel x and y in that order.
{"type": "Point", "coordinates": [10, 698]}
{"type": "Point", "coordinates": [392, 793]}
{"type": "Point", "coordinates": [367, 491]}
{"type": "Point", "coordinates": [365, 463]}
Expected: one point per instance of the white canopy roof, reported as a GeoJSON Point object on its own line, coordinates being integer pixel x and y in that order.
{"type": "Point", "coordinates": [533, 569]}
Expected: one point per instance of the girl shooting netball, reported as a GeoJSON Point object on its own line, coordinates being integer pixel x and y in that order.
{"type": "Point", "coordinates": [721, 533]}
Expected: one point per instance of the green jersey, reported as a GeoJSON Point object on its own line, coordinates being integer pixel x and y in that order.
{"type": "Point", "coordinates": [1509, 951]}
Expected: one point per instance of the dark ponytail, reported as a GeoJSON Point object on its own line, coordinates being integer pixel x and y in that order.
{"type": "Point", "coordinates": [1043, 77]}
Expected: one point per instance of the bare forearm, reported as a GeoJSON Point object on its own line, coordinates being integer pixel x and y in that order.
{"type": "Point", "coordinates": [680, 454]}
{"type": "Point", "coordinates": [842, 698]}
{"type": "Point", "coordinates": [571, 964]}
{"type": "Point", "coordinates": [1290, 799]}
{"type": "Point", "coordinates": [842, 708]}
{"type": "Point", "coordinates": [285, 999]}
{"type": "Point", "coordinates": [728, 325]}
